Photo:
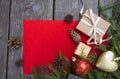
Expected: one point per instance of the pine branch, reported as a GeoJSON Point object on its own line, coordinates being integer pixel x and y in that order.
{"type": "Point", "coordinates": [91, 75]}
{"type": "Point", "coordinates": [67, 64]}
{"type": "Point", "coordinates": [116, 75]}
{"type": "Point", "coordinates": [100, 73]}
{"type": "Point", "coordinates": [20, 77]}
{"type": "Point", "coordinates": [101, 47]}
{"type": "Point", "coordinates": [57, 73]}
{"type": "Point", "coordinates": [35, 74]}
{"type": "Point", "coordinates": [54, 71]}
{"type": "Point", "coordinates": [42, 69]}
{"type": "Point", "coordinates": [92, 57]}
{"type": "Point", "coordinates": [116, 11]}
{"type": "Point", "coordinates": [106, 7]}
{"type": "Point", "coordinates": [113, 44]}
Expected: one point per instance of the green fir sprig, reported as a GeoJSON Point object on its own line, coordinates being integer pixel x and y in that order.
{"type": "Point", "coordinates": [114, 43]}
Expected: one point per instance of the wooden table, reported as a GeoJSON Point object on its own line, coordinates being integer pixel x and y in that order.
{"type": "Point", "coordinates": [12, 14]}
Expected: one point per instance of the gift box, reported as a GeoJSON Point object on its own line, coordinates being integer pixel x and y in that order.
{"type": "Point", "coordinates": [82, 50]}
{"type": "Point", "coordinates": [92, 24]}
{"type": "Point", "coordinates": [71, 76]}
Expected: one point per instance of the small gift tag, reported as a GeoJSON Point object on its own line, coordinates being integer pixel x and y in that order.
{"type": "Point", "coordinates": [93, 26]}
{"type": "Point", "coordinates": [82, 50]}
{"type": "Point", "coordinates": [71, 76]}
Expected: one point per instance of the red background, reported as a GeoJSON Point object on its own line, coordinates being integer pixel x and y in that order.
{"type": "Point", "coordinates": [44, 38]}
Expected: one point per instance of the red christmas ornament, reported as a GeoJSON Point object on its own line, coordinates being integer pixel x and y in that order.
{"type": "Point", "coordinates": [80, 66]}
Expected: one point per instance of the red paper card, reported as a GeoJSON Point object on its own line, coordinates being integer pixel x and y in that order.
{"type": "Point", "coordinates": [43, 39]}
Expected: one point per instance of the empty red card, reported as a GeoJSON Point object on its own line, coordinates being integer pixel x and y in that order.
{"type": "Point", "coordinates": [43, 39]}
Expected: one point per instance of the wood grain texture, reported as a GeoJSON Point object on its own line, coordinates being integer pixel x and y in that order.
{"type": "Point", "coordinates": [20, 10]}
{"type": "Point", "coordinates": [105, 2]}
{"type": "Point", "coordinates": [64, 7]}
{"type": "Point", "coordinates": [93, 4]}
{"type": "Point", "coordinates": [4, 26]}
{"type": "Point", "coordinates": [33, 9]}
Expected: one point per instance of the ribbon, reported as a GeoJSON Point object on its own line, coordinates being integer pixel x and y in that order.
{"type": "Point", "coordinates": [82, 49]}
{"type": "Point", "coordinates": [116, 59]}
{"type": "Point", "coordinates": [94, 32]}
{"type": "Point", "coordinates": [82, 9]}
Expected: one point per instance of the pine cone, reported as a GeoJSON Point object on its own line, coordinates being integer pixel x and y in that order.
{"type": "Point", "coordinates": [75, 36]}
{"type": "Point", "coordinates": [13, 43]}
{"type": "Point", "coordinates": [68, 18]}
{"type": "Point", "coordinates": [19, 63]}
{"type": "Point", "coordinates": [59, 62]}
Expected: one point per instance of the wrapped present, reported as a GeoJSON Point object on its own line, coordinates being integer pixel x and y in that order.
{"type": "Point", "coordinates": [93, 26]}
{"type": "Point", "coordinates": [82, 50]}
{"type": "Point", "coordinates": [71, 76]}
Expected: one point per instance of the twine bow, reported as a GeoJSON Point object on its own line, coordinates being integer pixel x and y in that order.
{"type": "Point", "coordinates": [82, 49]}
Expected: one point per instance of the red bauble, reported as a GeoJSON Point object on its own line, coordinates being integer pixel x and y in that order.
{"type": "Point", "coordinates": [80, 66]}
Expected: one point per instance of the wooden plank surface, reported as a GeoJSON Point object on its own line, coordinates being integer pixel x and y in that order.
{"type": "Point", "coordinates": [64, 7]}
{"type": "Point", "coordinates": [32, 9]}
{"type": "Point", "coordinates": [35, 9]}
{"type": "Point", "coordinates": [93, 4]}
{"type": "Point", "coordinates": [20, 10]}
{"type": "Point", "coordinates": [4, 26]}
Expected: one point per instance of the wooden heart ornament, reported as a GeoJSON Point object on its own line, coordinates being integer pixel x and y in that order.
{"type": "Point", "coordinates": [107, 62]}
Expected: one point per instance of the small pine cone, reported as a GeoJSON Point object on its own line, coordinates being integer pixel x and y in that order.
{"type": "Point", "coordinates": [19, 63]}
{"type": "Point", "coordinates": [58, 64]}
{"type": "Point", "coordinates": [43, 69]}
{"type": "Point", "coordinates": [68, 18]}
{"type": "Point", "coordinates": [75, 36]}
{"type": "Point", "coordinates": [13, 43]}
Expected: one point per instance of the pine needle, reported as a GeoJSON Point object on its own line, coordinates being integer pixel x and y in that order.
{"type": "Point", "coordinates": [101, 47]}
{"type": "Point", "coordinates": [92, 57]}
{"type": "Point", "coordinates": [106, 7]}
{"type": "Point", "coordinates": [20, 77]}
{"type": "Point", "coordinates": [35, 74]}
{"type": "Point", "coordinates": [114, 43]}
